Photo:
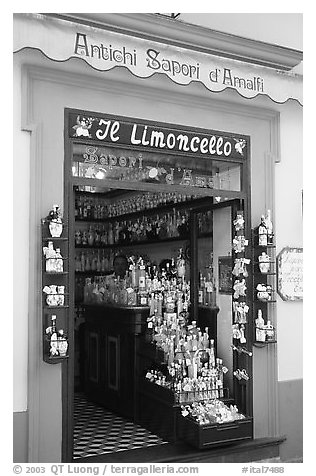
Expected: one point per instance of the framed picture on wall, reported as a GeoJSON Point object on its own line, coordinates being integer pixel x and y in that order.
{"type": "Point", "coordinates": [225, 278]}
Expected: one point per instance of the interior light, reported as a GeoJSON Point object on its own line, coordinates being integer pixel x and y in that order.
{"type": "Point", "coordinates": [100, 174]}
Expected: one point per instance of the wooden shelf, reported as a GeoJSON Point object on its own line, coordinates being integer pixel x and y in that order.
{"type": "Point", "coordinates": [56, 238]}
{"type": "Point", "coordinates": [53, 273]}
{"type": "Point", "coordinates": [263, 344]}
{"type": "Point", "coordinates": [93, 273]}
{"type": "Point", "coordinates": [55, 360]}
{"type": "Point", "coordinates": [55, 307]}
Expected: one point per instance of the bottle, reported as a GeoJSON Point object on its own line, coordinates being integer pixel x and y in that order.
{"type": "Point", "coordinates": [269, 331]}
{"type": "Point", "coordinates": [83, 262]}
{"type": "Point", "coordinates": [110, 239]}
{"type": "Point", "coordinates": [209, 290]}
{"type": "Point", "coordinates": [77, 263]}
{"type": "Point", "coordinates": [84, 238]}
{"type": "Point", "coordinates": [132, 273]}
{"type": "Point", "coordinates": [212, 353]}
{"type": "Point", "coordinates": [141, 276]}
{"type": "Point", "coordinates": [78, 237]}
{"type": "Point", "coordinates": [181, 264]}
{"type": "Point", "coordinates": [206, 340]}
{"type": "Point", "coordinates": [50, 255]}
{"type": "Point", "coordinates": [260, 328]}
{"type": "Point", "coordinates": [53, 338]}
{"type": "Point", "coordinates": [220, 378]}
{"type": "Point", "coordinates": [59, 264]}
{"type": "Point", "coordinates": [262, 232]}
{"type": "Point", "coordinates": [269, 226]}
{"type": "Point", "coordinates": [90, 236]}
{"type": "Point", "coordinates": [201, 291]}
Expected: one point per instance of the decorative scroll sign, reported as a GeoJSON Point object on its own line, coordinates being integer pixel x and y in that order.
{"type": "Point", "coordinates": [104, 50]}
{"type": "Point", "coordinates": [290, 274]}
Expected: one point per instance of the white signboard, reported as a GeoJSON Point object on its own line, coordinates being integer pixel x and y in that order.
{"type": "Point", "coordinates": [290, 274]}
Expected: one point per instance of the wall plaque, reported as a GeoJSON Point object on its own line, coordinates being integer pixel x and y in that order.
{"type": "Point", "coordinates": [290, 274]}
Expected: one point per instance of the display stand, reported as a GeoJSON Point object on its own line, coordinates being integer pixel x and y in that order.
{"type": "Point", "coordinates": [55, 278]}
{"type": "Point", "coordinates": [264, 289]}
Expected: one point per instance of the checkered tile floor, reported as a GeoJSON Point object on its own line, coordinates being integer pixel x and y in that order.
{"type": "Point", "coordinates": [98, 431]}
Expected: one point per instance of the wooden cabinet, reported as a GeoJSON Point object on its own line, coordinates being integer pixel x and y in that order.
{"type": "Point", "coordinates": [111, 341]}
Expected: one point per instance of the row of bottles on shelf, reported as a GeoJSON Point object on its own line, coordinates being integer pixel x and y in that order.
{"type": "Point", "coordinates": [56, 339]}
{"type": "Point", "coordinates": [209, 385]}
{"type": "Point", "coordinates": [98, 208]}
{"type": "Point", "coordinates": [141, 283]}
{"type": "Point", "coordinates": [159, 227]}
{"type": "Point", "coordinates": [117, 292]}
{"type": "Point", "coordinates": [170, 225]}
{"type": "Point", "coordinates": [100, 261]}
{"type": "Point", "coordinates": [54, 262]}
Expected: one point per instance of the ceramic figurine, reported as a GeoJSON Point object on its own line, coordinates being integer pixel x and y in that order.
{"type": "Point", "coordinates": [55, 223]}
{"type": "Point", "coordinates": [264, 263]}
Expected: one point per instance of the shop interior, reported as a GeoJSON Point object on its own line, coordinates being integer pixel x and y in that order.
{"type": "Point", "coordinates": [155, 230]}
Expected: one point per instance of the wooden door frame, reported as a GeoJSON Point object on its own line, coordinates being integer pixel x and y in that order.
{"type": "Point", "coordinates": [244, 196]}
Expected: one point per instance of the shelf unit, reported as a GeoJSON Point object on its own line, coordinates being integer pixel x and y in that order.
{"type": "Point", "coordinates": [57, 279]}
{"type": "Point", "coordinates": [266, 279]}
{"type": "Point", "coordinates": [241, 296]}
{"type": "Point", "coordinates": [102, 246]}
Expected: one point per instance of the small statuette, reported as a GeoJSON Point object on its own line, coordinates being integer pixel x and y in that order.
{"type": "Point", "coordinates": [240, 267]}
{"type": "Point", "coordinates": [239, 243]}
{"type": "Point", "coordinates": [239, 222]}
{"type": "Point", "coordinates": [239, 288]}
{"type": "Point", "coordinates": [260, 328]}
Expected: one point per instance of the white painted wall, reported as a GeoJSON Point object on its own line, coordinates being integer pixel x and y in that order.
{"type": "Point", "coordinates": [284, 29]}
{"type": "Point", "coordinates": [21, 191]}
{"type": "Point", "coordinates": [289, 232]}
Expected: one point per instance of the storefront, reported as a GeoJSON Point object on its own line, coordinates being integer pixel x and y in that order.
{"type": "Point", "coordinates": [169, 155]}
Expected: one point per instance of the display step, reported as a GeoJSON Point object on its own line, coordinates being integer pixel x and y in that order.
{"type": "Point", "coordinates": [261, 449]}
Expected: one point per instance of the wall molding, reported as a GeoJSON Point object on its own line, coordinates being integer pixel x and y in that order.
{"type": "Point", "coordinates": [114, 82]}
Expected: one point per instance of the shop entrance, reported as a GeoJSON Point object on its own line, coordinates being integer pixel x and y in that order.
{"type": "Point", "coordinates": [126, 326]}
